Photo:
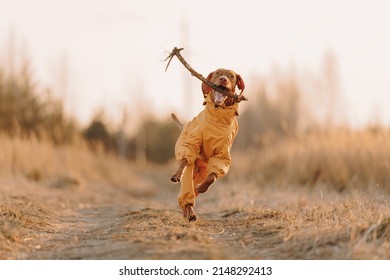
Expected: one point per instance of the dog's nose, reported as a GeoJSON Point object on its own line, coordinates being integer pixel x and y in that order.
{"type": "Point", "coordinates": [223, 79]}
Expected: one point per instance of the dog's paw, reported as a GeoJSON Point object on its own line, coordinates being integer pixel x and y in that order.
{"type": "Point", "coordinates": [189, 213]}
{"type": "Point", "coordinates": [175, 178]}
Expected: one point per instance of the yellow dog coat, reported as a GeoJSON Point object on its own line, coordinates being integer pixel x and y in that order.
{"type": "Point", "coordinates": [205, 143]}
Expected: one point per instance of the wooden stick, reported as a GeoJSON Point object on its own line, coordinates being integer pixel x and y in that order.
{"type": "Point", "coordinates": [176, 52]}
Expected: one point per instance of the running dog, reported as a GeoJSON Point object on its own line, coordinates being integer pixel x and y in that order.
{"type": "Point", "coordinates": [203, 147]}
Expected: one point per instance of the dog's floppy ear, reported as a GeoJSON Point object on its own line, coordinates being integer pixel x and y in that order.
{"type": "Point", "coordinates": [240, 83]}
{"type": "Point", "coordinates": [205, 88]}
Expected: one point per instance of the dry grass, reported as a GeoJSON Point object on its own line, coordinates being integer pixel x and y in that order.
{"type": "Point", "coordinates": [302, 222]}
{"type": "Point", "coordinates": [340, 159]}
{"type": "Point", "coordinates": [317, 196]}
{"type": "Point", "coordinates": [21, 220]}
{"type": "Point", "coordinates": [41, 161]}
{"type": "Point", "coordinates": [354, 227]}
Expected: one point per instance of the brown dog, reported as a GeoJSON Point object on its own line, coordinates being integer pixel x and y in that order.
{"type": "Point", "coordinates": [203, 147]}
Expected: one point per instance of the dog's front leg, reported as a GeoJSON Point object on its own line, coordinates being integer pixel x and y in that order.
{"type": "Point", "coordinates": [176, 176]}
{"type": "Point", "coordinates": [204, 186]}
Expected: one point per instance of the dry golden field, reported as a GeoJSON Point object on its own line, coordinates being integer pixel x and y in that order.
{"type": "Point", "coordinates": [311, 196]}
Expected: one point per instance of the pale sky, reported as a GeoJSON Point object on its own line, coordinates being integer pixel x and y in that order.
{"type": "Point", "coordinates": [112, 50]}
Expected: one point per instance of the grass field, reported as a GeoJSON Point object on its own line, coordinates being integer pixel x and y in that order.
{"type": "Point", "coordinates": [311, 196]}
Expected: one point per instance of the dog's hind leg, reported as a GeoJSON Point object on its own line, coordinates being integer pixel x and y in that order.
{"type": "Point", "coordinates": [205, 185]}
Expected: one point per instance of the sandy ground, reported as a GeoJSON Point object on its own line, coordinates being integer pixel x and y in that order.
{"type": "Point", "coordinates": [70, 219]}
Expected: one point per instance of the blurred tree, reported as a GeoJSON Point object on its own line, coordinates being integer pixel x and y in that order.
{"type": "Point", "coordinates": [27, 111]}
{"type": "Point", "coordinates": [97, 133]}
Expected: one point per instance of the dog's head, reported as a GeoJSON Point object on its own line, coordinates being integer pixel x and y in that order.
{"type": "Point", "coordinates": [227, 79]}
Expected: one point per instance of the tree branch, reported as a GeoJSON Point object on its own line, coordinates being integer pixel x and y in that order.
{"type": "Point", "coordinates": [176, 52]}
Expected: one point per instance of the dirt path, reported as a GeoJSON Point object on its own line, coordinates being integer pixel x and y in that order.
{"type": "Point", "coordinates": [121, 227]}
{"type": "Point", "coordinates": [149, 233]}
{"type": "Point", "coordinates": [101, 221]}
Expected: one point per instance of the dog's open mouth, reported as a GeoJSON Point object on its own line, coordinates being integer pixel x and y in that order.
{"type": "Point", "coordinates": [219, 98]}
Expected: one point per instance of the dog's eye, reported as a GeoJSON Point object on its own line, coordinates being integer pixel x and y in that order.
{"type": "Point", "coordinates": [231, 76]}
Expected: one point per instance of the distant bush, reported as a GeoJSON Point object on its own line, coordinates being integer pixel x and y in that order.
{"type": "Point", "coordinates": [153, 142]}
{"type": "Point", "coordinates": [160, 140]}
{"type": "Point", "coordinates": [97, 133]}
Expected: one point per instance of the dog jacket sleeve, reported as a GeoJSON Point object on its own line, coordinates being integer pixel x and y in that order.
{"type": "Point", "coordinates": [187, 146]}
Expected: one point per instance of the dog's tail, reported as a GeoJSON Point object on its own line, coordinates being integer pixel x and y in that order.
{"type": "Point", "coordinates": [177, 121]}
